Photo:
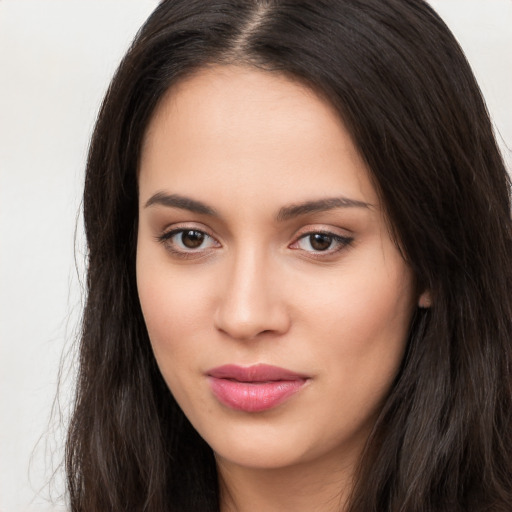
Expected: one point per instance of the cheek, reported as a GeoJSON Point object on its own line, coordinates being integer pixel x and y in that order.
{"type": "Point", "coordinates": [173, 305]}
{"type": "Point", "coordinates": [171, 296]}
{"type": "Point", "coordinates": [172, 311]}
{"type": "Point", "coordinates": [380, 308]}
{"type": "Point", "coordinates": [361, 323]}
{"type": "Point", "coordinates": [361, 344]}
{"type": "Point", "coordinates": [362, 299]}
{"type": "Point", "coordinates": [167, 306]}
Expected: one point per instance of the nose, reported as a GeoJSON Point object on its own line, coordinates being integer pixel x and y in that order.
{"type": "Point", "coordinates": [251, 302]}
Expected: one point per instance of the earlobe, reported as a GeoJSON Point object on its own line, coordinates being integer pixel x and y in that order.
{"type": "Point", "coordinates": [425, 300]}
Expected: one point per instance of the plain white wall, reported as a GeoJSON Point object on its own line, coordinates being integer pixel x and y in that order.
{"type": "Point", "coordinates": [56, 58]}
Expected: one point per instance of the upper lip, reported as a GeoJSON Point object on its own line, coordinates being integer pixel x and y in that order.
{"type": "Point", "coordinates": [254, 373]}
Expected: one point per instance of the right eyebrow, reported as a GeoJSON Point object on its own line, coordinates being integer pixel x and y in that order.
{"type": "Point", "coordinates": [181, 202]}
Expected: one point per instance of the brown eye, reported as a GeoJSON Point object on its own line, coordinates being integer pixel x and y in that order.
{"type": "Point", "coordinates": [320, 241]}
{"type": "Point", "coordinates": [188, 241]}
{"type": "Point", "coordinates": [192, 239]}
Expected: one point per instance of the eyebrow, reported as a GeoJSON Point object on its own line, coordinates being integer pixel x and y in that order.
{"type": "Point", "coordinates": [285, 213]}
{"type": "Point", "coordinates": [177, 201]}
{"type": "Point", "coordinates": [320, 205]}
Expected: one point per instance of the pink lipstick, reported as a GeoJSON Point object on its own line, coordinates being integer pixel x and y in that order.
{"type": "Point", "coordinates": [254, 388]}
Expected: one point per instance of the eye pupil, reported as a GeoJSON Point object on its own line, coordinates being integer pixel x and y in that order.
{"type": "Point", "coordinates": [192, 239]}
{"type": "Point", "coordinates": [320, 241]}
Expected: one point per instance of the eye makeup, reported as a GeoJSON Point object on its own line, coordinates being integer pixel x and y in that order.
{"type": "Point", "coordinates": [189, 242]}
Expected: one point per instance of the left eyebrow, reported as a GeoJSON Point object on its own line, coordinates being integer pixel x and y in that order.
{"type": "Point", "coordinates": [320, 205]}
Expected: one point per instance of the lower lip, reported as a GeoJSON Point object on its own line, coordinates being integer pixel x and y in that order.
{"type": "Point", "coordinates": [254, 396]}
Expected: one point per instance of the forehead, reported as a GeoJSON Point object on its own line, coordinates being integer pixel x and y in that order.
{"type": "Point", "coordinates": [253, 131]}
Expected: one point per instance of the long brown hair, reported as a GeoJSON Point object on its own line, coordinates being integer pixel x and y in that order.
{"type": "Point", "coordinates": [402, 86]}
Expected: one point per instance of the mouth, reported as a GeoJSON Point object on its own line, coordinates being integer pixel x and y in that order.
{"type": "Point", "coordinates": [254, 388]}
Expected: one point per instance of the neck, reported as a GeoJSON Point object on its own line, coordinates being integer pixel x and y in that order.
{"type": "Point", "coordinates": [320, 486]}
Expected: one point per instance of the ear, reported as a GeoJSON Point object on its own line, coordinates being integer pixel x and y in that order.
{"type": "Point", "coordinates": [425, 300]}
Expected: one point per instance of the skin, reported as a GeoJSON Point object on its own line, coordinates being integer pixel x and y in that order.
{"type": "Point", "coordinates": [249, 143]}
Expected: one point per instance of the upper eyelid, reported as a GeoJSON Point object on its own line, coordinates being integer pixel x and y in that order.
{"type": "Point", "coordinates": [341, 238]}
{"type": "Point", "coordinates": [178, 227]}
{"type": "Point", "coordinates": [165, 238]}
{"type": "Point", "coordinates": [331, 230]}
{"type": "Point", "coordinates": [344, 239]}
{"type": "Point", "coordinates": [170, 233]}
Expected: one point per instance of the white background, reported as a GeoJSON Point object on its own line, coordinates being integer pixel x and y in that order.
{"type": "Point", "coordinates": [56, 58]}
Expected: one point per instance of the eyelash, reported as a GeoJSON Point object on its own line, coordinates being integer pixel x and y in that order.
{"type": "Point", "coordinates": [340, 241]}
{"type": "Point", "coordinates": [165, 239]}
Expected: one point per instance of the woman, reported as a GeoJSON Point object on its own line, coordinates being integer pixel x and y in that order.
{"type": "Point", "coordinates": [299, 282]}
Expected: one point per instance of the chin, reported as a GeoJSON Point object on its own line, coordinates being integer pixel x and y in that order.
{"type": "Point", "coordinates": [269, 457]}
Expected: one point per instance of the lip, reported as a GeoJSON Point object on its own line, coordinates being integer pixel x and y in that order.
{"type": "Point", "coordinates": [254, 388]}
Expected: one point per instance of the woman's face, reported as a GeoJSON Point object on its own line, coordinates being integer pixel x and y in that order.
{"type": "Point", "coordinates": [277, 304]}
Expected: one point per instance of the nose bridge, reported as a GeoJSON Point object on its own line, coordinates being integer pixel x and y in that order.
{"type": "Point", "coordinates": [251, 302]}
